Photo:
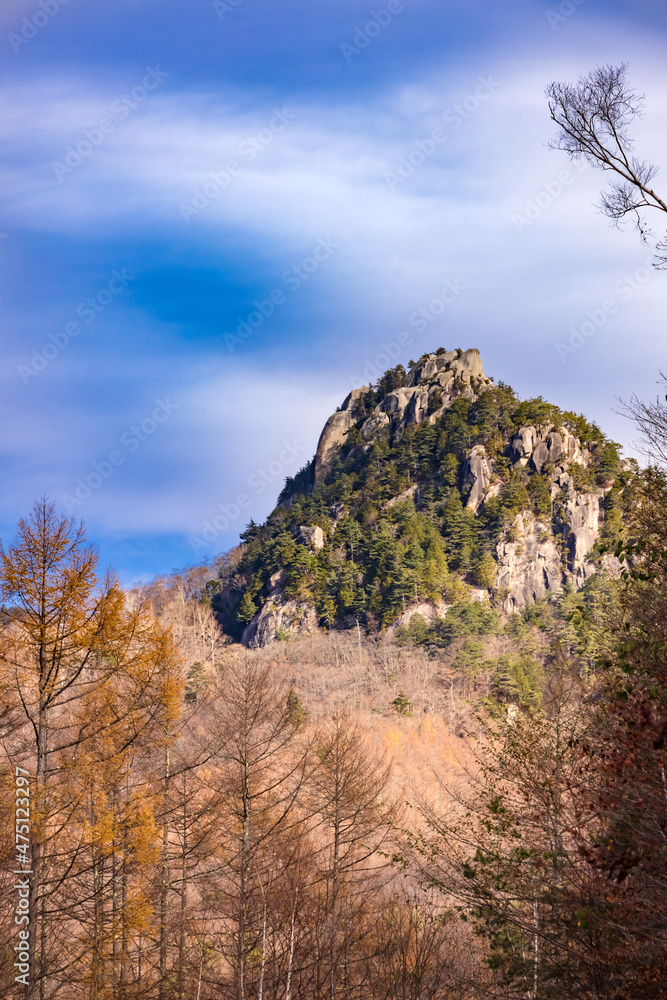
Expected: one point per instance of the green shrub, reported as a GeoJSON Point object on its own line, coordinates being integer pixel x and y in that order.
{"type": "Point", "coordinates": [518, 679]}
{"type": "Point", "coordinates": [402, 704]}
{"type": "Point", "coordinates": [539, 491]}
{"type": "Point", "coordinates": [464, 618]}
{"type": "Point", "coordinates": [484, 571]}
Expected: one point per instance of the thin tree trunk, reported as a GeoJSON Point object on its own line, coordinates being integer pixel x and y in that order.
{"type": "Point", "coordinates": [98, 926]}
{"type": "Point", "coordinates": [243, 891]}
{"type": "Point", "coordinates": [334, 909]}
{"type": "Point", "coordinates": [263, 966]}
{"type": "Point", "coordinates": [290, 960]}
{"type": "Point", "coordinates": [115, 901]}
{"type": "Point", "coordinates": [164, 878]}
{"type": "Point", "coordinates": [201, 966]}
{"type": "Point", "coordinates": [35, 987]}
{"type": "Point", "coordinates": [123, 902]}
{"type": "Point", "coordinates": [536, 947]}
{"type": "Point", "coordinates": [43, 931]}
{"type": "Point", "coordinates": [184, 891]}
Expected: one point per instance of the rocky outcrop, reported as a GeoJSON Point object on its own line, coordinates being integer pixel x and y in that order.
{"type": "Point", "coordinates": [543, 556]}
{"type": "Point", "coordinates": [432, 385]}
{"type": "Point", "coordinates": [372, 427]}
{"type": "Point", "coordinates": [466, 364]}
{"type": "Point", "coordinates": [477, 474]}
{"type": "Point", "coordinates": [279, 616]}
{"type": "Point", "coordinates": [537, 446]}
{"type": "Point", "coordinates": [334, 435]}
{"type": "Point", "coordinates": [408, 494]}
{"type": "Point", "coordinates": [311, 536]}
{"type": "Point", "coordinates": [580, 527]}
{"type": "Point", "coordinates": [427, 611]}
{"type": "Point", "coordinates": [537, 556]}
{"type": "Point", "coordinates": [529, 567]}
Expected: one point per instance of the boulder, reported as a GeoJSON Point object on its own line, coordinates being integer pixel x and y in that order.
{"type": "Point", "coordinates": [394, 403]}
{"type": "Point", "coordinates": [312, 536]}
{"type": "Point", "coordinates": [371, 427]}
{"type": "Point", "coordinates": [470, 362]}
{"type": "Point", "coordinates": [277, 581]}
{"type": "Point", "coordinates": [417, 408]}
{"type": "Point", "coordinates": [540, 456]}
{"type": "Point", "coordinates": [427, 611]}
{"type": "Point", "coordinates": [555, 446]}
{"type": "Point", "coordinates": [444, 379]}
{"type": "Point", "coordinates": [572, 450]}
{"type": "Point", "coordinates": [429, 368]}
{"type": "Point", "coordinates": [279, 616]}
{"type": "Point", "coordinates": [521, 446]}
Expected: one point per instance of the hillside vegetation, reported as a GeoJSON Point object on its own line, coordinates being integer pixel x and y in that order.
{"type": "Point", "coordinates": [396, 527]}
{"type": "Point", "coordinates": [430, 791]}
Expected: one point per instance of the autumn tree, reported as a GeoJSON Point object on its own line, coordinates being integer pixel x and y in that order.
{"type": "Point", "coordinates": [86, 670]}
{"type": "Point", "coordinates": [351, 798]}
{"type": "Point", "coordinates": [507, 849]}
{"type": "Point", "coordinates": [57, 643]}
{"type": "Point", "coordinates": [258, 772]}
{"type": "Point", "coordinates": [627, 758]}
{"type": "Point", "coordinates": [420, 950]}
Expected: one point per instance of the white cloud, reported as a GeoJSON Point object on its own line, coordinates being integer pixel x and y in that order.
{"type": "Point", "coordinates": [325, 173]}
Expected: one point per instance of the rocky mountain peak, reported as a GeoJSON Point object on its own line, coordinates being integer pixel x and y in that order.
{"type": "Point", "coordinates": [422, 393]}
{"type": "Point", "coordinates": [434, 485]}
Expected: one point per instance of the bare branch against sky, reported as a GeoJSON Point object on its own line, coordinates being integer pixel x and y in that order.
{"type": "Point", "coordinates": [594, 117]}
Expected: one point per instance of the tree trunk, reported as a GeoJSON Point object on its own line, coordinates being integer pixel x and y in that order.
{"type": "Point", "coordinates": [184, 893]}
{"type": "Point", "coordinates": [164, 878]}
{"type": "Point", "coordinates": [36, 987]}
{"type": "Point", "coordinates": [290, 959]}
{"type": "Point", "coordinates": [260, 990]}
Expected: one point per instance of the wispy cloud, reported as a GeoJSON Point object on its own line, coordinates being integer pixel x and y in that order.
{"type": "Point", "coordinates": [320, 171]}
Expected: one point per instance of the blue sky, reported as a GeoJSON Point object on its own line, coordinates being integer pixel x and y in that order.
{"type": "Point", "coordinates": [217, 218]}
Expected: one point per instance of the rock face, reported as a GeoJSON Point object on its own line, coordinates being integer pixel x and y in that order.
{"type": "Point", "coordinates": [536, 557]}
{"type": "Point", "coordinates": [539, 445]}
{"type": "Point", "coordinates": [433, 384]}
{"type": "Point", "coordinates": [580, 529]}
{"type": "Point", "coordinates": [313, 537]}
{"type": "Point", "coordinates": [478, 474]}
{"type": "Point", "coordinates": [335, 430]}
{"type": "Point", "coordinates": [529, 567]}
{"type": "Point", "coordinates": [279, 616]}
{"type": "Point", "coordinates": [544, 555]}
{"type": "Point", "coordinates": [427, 611]}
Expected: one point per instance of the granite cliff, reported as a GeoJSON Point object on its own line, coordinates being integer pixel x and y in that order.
{"type": "Point", "coordinates": [430, 388]}
{"type": "Point", "coordinates": [433, 486]}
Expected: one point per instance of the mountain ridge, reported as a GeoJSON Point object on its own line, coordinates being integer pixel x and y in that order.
{"type": "Point", "coordinates": [431, 486]}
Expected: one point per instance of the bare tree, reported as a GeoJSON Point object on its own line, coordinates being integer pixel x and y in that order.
{"type": "Point", "coordinates": [651, 420]}
{"type": "Point", "coordinates": [350, 791]}
{"type": "Point", "coordinates": [594, 117]}
{"type": "Point", "coordinates": [258, 772]}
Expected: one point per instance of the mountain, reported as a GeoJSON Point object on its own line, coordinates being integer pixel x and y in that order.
{"type": "Point", "coordinates": [433, 489]}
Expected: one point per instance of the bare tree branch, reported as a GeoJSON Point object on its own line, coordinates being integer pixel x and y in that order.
{"type": "Point", "coordinates": [594, 117]}
{"type": "Point", "coordinates": [651, 419]}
